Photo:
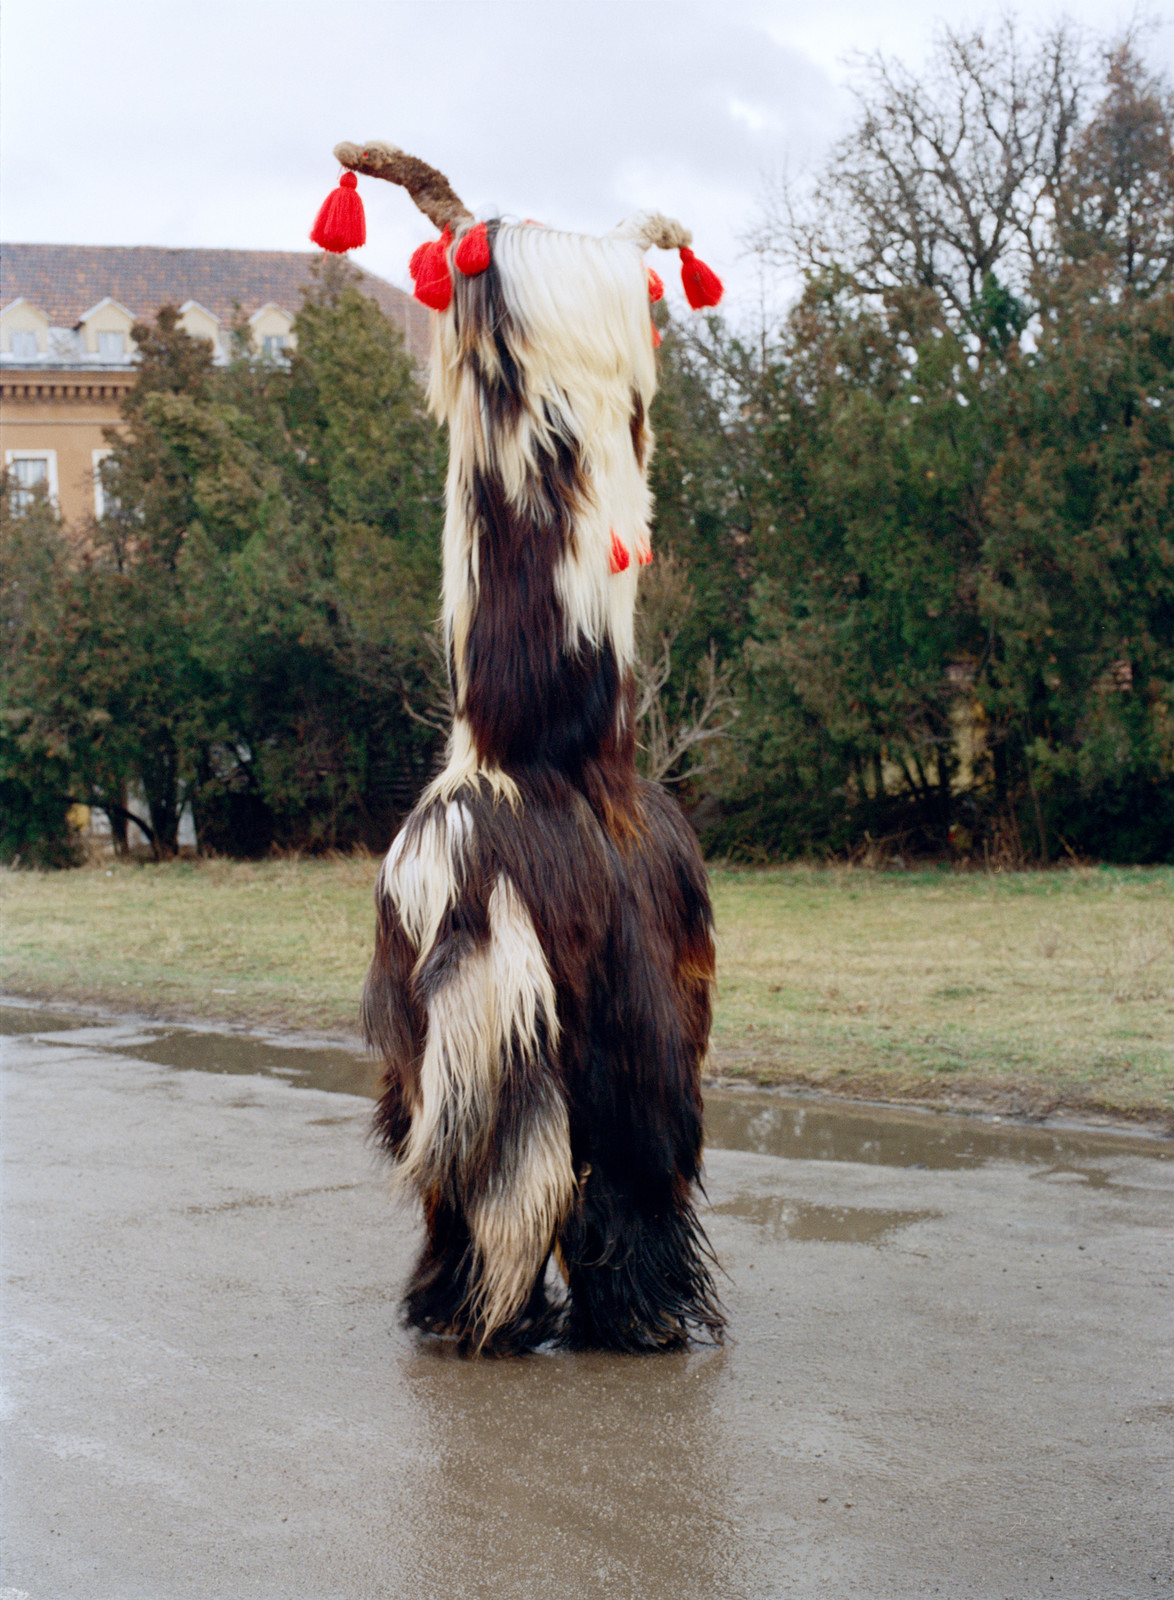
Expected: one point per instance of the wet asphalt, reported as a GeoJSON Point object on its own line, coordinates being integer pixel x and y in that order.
{"type": "Point", "coordinates": [950, 1371]}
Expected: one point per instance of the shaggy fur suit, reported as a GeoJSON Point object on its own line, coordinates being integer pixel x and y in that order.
{"type": "Point", "coordinates": [540, 989]}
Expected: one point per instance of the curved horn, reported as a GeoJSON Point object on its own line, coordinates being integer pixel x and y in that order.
{"type": "Point", "coordinates": [430, 189]}
{"type": "Point", "coordinates": [652, 231]}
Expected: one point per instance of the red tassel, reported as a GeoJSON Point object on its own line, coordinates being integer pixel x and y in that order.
{"type": "Point", "coordinates": [472, 254]}
{"type": "Point", "coordinates": [702, 285]}
{"type": "Point", "coordinates": [644, 555]}
{"type": "Point", "coordinates": [657, 337]}
{"type": "Point", "coordinates": [620, 559]}
{"type": "Point", "coordinates": [340, 224]}
{"type": "Point", "coordinates": [429, 267]}
{"type": "Point", "coordinates": [655, 285]}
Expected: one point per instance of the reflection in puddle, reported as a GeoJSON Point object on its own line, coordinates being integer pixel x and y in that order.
{"type": "Point", "coordinates": [773, 1124]}
{"type": "Point", "coordinates": [337, 1070]}
{"type": "Point", "coordinates": [619, 1467]}
{"type": "Point", "coordinates": [762, 1122]}
{"type": "Point", "coordinates": [780, 1218]}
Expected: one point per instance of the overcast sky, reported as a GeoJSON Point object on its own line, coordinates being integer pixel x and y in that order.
{"type": "Point", "coordinates": [168, 123]}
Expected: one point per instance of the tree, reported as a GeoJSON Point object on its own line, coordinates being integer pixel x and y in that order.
{"type": "Point", "coordinates": [682, 739]}
{"type": "Point", "coordinates": [35, 757]}
{"type": "Point", "coordinates": [966, 430]}
{"type": "Point", "coordinates": [1116, 198]}
{"type": "Point", "coordinates": [947, 182]}
{"type": "Point", "coordinates": [326, 609]}
{"type": "Point", "coordinates": [1079, 589]}
{"type": "Point", "coordinates": [134, 656]}
{"type": "Point", "coordinates": [863, 603]}
{"type": "Point", "coordinates": [246, 629]}
{"type": "Point", "coordinates": [693, 605]}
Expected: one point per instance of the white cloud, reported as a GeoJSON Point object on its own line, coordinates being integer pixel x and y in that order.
{"type": "Point", "coordinates": [178, 124]}
{"type": "Point", "coordinates": [755, 117]}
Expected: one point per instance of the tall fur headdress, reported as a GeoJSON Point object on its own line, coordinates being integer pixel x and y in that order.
{"type": "Point", "coordinates": [543, 369]}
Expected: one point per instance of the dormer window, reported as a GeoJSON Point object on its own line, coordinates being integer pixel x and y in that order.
{"type": "Point", "coordinates": [273, 335]}
{"type": "Point", "coordinates": [105, 331]}
{"type": "Point", "coordinates": [200, 323]}
{"type": "Point", "coordinates": [25, 330]}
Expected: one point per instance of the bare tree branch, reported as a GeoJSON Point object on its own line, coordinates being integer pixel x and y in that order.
{"type": "Point", "coordinates": [707, 709]}
{"type": "Point", "coordinates": [947, 177]}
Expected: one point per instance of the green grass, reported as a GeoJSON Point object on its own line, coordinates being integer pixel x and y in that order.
{"type": "Point", "coordinates": [1027, 992]}
{"type": "Point", "coordinates": [1033, 991]}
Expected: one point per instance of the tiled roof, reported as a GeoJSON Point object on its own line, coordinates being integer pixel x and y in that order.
{"type": "Point", "coordinates": [66, 280]}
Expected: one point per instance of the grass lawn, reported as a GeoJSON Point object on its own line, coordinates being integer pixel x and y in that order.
{"type": "Point", "coordinates": [1028, 992]}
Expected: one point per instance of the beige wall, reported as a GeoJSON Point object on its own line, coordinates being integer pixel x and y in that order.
{"type": "Point", "coordinates": [63, 413]}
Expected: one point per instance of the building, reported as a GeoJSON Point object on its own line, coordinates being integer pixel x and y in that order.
{"type": "Point", "coordinates": [67, 356]}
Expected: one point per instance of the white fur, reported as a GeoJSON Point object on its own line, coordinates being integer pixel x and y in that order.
{"type": "Point", "coordinates": [492, 1004]}
{"type": "Point", "coordinates": [600, 604]}
{"type": "Point", "coordinates": [515, 1222]}
{"type": "Point", "coordinates": [515, 1225]}
{"type": "Point", "coordinates": [422, 881]}
{"type": "Point", "coordinates": [463, 771]}
{"type": "Point", "coordinates": [580, 308]}
{"type": "Point", "coordinates": [582, 304]}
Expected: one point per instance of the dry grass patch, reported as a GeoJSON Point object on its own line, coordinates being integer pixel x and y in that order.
{"type": "Point", "coordinates": [1046, 989]}
{"type": "Point", "coordinates": [284, 942]}
{"type": "Point", "coordinates": [1027, 991]}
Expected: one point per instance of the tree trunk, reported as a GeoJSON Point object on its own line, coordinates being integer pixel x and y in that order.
{"type": "Point", "coordinates": [160, 776]}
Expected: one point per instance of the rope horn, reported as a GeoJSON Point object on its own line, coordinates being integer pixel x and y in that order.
{"type": "Point", "coordinates": [431, 190]}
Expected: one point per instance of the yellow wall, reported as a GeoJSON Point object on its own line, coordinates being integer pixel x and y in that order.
{"type": "Point", "coordinates": [109, 317]}
{"type": "Point", "coordinates": [66, 413]}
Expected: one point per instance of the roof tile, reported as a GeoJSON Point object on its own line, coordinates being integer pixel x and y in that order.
{"type": "Point", "coordinates": [66, 280]}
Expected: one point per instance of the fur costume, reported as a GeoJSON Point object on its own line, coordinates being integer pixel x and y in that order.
{"type": "Point", "coordinates": [540, 989]}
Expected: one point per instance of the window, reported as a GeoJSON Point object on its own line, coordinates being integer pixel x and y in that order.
{"type": "Point", "coordinates": [30, 473]}
{"type": "Point", "coordinates": [111, 346]}
{"type": "Point", "coordinates": [103, 502]}
{"type": "Point", "coordinates": [24, 344]}
{"type": "Point", "coordinates": [274, 346]}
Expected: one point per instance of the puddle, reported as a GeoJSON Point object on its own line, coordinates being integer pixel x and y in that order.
{"type": "Point", "coordinates": [776, 1217]}
{"type": "Point", "coordinates": [16, 1020]}
{"type": "Point", "coordinates": [193, 1050]}
{"type": "Point", "coordinates": [779, 1125]}
{"type": "Point", "coordinates": [772, 1124]}
{"type": "Point", "coordinates": [339, 1071]}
